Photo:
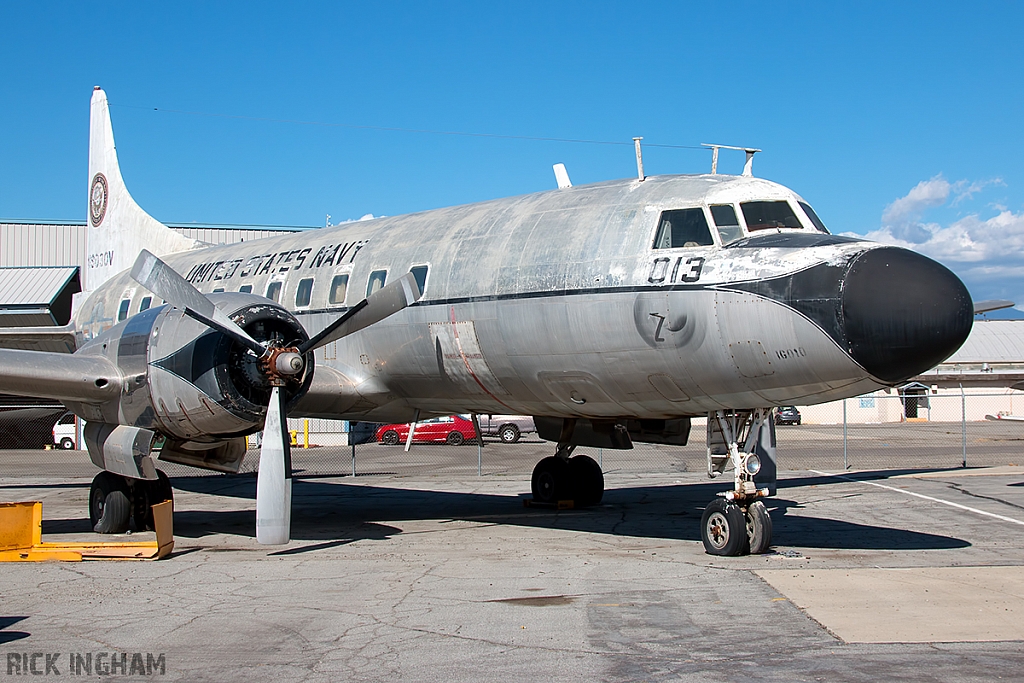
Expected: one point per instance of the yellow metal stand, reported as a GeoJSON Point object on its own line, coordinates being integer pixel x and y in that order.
{"type": "Point", "coordinates": [21, 538]}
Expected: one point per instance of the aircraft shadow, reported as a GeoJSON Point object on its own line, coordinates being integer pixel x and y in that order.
{"type": "Point", "coordinates": [336, 513]}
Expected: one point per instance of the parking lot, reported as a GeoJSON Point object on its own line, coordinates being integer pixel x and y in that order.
{"type": "Point", "coordinates": [420, 570]}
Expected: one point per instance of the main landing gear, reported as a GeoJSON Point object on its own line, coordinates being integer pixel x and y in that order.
{"type": "Point", "coordinates": [114, 500]}
{"type": "Point", "coordinates": [563, 477]}
{"type": "Point", "coordinates": [737, 522]}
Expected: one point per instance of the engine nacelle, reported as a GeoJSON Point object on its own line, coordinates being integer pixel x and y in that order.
{"type": "Point", "coordinates": [188, 382]}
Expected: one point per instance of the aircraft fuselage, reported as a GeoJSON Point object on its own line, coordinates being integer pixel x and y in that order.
{"type": "Point", "coordinates": [578, 303]}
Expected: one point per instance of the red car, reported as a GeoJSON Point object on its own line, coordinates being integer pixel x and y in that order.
{"type": "Point", "coordinates": [453, 430]}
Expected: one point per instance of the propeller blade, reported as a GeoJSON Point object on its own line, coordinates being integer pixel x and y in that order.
{"type": "Point", "coordinates": [159, 278]}
{"type": "Point", "coordinates": [384, 302]}
{"type": "Point", "coordinates": [232, 331]}
{"type": "Point", "coordinates": [274, 477]}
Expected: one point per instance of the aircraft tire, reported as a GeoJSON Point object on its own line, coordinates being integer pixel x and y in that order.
{"type": "Point", "coordinates": [759, 528]}
{"type": "Point", "coordinates": [110, 506]}
{"type": "Point", "coordinates": [723, 529]}
{"type": "Point", "coordinates": [587, 479]}
{"type": "Point", "coordinates": [509, 433]}
{"type": "Point", "coordinates": [551, 481]}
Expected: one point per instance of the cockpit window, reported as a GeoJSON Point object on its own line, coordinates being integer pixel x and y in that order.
{"type": "Point", "coordinates": [683, 228]}
{"type": "Point", "coordinates": [764, 215]}
{"type": "Point", "coordinates": [814, 218]}
{"type": "Point", "coordinates": [725, 220]}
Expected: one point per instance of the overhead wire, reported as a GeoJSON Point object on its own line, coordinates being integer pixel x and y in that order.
{"type": "Point", "coordinates": [501, 136]}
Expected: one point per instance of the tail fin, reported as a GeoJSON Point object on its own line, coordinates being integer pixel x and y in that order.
{"type": "Point", "coordinates": [118, 227]}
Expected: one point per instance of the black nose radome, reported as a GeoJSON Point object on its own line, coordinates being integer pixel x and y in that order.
{"type": "Point", "coordinates": [903, 313]}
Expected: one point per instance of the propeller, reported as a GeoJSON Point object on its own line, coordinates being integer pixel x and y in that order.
{"type": "Point", "coordinates": [279, 364]}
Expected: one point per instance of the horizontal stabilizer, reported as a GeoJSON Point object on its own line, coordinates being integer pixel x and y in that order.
{"type": "Point", "coordinates": [991, 305]}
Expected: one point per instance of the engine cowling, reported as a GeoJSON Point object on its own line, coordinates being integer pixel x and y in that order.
{"type": "Point", "coordinates": [191, 383]}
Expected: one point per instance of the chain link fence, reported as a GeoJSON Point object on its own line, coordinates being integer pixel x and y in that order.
{"type": "Point", "coordinates": [876, 432]}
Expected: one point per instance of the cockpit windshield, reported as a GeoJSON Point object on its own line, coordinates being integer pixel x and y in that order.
{"type": "Point", "coordinates": [725, 220]}
{"type": "Point", "coordinates": [814, 218]}
{"type": "Point", "coordinates": [765, 215]}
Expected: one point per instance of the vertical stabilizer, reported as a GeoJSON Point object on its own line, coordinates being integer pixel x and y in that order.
{"type": "Point", "coordinates": [118, 227]}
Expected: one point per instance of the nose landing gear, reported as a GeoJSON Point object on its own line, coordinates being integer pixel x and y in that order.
{"type": "Point", "coordinates": [737, 522]}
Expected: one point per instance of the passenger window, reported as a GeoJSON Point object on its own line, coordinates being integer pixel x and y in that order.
{"type": "Point", "coordinates": [683, 228]}
{"type": "Point", "coordinates": [122, 310]}
{"type": "Point", "coordinates": [245, 289]}
{"type": "Point", "coordinates": [339, 289]}
{"type": "Point", "coordinates": [764, 215]}
{"type": "Point", "coordinates": [725, 220]}
{"type": "Point", "coordinates": [304, 292]}
{"type": "Point", "coordinates": [274, 291]}
{"type": "Point", "coordinates": [420, 273]}
{"type": "Point", "coordinates": [376, 281]}
{"type": "Point", "coordinates": [146, 302]}
{"type": "Point", "coordinates": [814, 218]}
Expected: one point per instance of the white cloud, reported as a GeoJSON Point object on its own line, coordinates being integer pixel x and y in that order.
{"type": "Point", "coordinates": [901, 217]}
{"type": "Point", "coordinates": [987, 253]}
{"type": "Point", "coordinates": [965, 190]}
{"type": "Point", "coordinates": [365, 217]}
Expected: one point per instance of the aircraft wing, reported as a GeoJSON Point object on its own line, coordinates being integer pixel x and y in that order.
{"type": "Point", "coordinates": [61, 376]}
{"type": "Point", "coordinates": [59, 339]}
{"type": "Point", "coordinates": [1011, 418]}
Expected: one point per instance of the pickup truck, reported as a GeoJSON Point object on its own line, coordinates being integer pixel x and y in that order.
{"type": "Point", "coordinates": [508, 428]}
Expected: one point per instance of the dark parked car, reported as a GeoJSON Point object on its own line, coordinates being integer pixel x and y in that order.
{"type": "Point", "coordinates": [787, 415]}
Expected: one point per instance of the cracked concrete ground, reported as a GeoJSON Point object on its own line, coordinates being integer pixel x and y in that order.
{"type": "Point", "coordinates": [427, 578]}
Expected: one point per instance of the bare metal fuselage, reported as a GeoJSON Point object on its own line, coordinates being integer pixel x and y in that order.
{"type": "Point", "coordinates": [553, 304]}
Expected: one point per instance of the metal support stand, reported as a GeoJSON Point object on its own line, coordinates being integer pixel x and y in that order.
{"type": "Point", "coordinates": [353, 461]}
{"type": "Point", "coordinates": [846, 461]}
{"type": "Point", "coordinates": [479, 445]}
{"type": "Point", "coordinates": [412, 430]}
{"type": "Point", "coordinates": [963, 426]}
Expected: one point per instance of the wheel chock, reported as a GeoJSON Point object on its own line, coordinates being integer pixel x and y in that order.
{"type": "Point", "coordinates": [560, 505]}
{"type": "Point", "coordinates": [21, 531]}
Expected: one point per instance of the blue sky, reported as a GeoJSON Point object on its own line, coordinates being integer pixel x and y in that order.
{"type": "Point", "coordinates": [898, 120]}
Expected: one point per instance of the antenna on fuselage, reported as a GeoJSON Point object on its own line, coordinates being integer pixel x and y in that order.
{"type": "Point", "coordinates": [639, 159]}
{"type": "Point", "coordinates": [748, 167]}
{"type": "Point", "coordinates": [561, 176]}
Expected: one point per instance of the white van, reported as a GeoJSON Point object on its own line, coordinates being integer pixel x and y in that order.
{"type": "Point", "coordinates": [65, 432]}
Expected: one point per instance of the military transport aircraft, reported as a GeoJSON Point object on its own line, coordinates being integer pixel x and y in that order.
{"type": "Point", "coordinates": [612, 313]}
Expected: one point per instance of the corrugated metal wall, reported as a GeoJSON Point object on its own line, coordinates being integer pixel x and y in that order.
{"type": "Point", "coordinates": [42, 245]}
{"type": "Point", "coordinates": [39, 244]}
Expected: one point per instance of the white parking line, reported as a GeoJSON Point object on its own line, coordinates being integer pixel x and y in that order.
{"type": "Point", "coordinates": [919, 495]}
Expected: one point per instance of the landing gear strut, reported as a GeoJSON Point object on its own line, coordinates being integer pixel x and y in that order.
{"type": "Point", "coordinates": [737, 522]}
{"type": "Point", "coordinates": [114, 499]}
{"type": "Point", "coordinates": [562, 477]}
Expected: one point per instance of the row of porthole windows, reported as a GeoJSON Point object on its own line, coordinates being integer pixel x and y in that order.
{"type": "Point", "coordinates": [304, 291]}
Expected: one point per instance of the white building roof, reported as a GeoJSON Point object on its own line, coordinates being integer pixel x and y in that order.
{"type": "Point", "coordinates": [32, 286]}
{"type": "Point", "coordinates": [992, 341]}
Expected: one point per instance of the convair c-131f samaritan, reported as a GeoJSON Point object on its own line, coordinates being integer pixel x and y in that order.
{"type": "Point", "coordinates": [613, 313]}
